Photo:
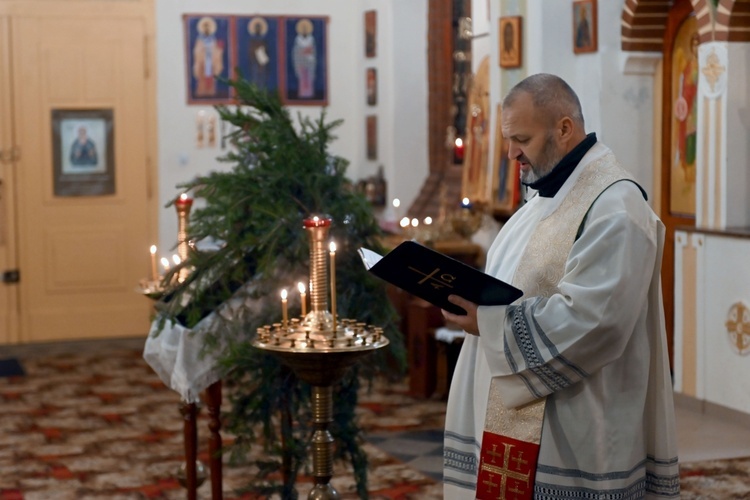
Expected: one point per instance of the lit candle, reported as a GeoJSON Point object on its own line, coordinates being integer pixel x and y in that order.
{"type": "Point", "coordinates": [332, 254]}
{"type": "Point", "coordinates": [396, 204]}
{"type": "Point", "coordinates": [154, 273]}
{"type": "Point", "coordinates": [176, 259]}
{"type": "Point", "coordinates": [466, 203]}
{"type": "Point", "coordinates": [302, 297]}
{"type": "Point", "coordinates": [414, 222]}
{"type": "Point", "coordinates": [404, 222]}
{"type": "Point", "coordinates": [283, 308]}
{"type": "Point", "coordinates": [184, 201]}
{"type": "Point", "coordinates": [458, 151]}
{"type": "Point", "coordinates": [165, 263]}
{"type": "Point", "coordinates": [427, 221]}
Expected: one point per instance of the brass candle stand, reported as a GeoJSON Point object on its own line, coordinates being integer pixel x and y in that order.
{"type": "Point", "coordinates": [183, 205]}
{"type": "Point", "coordinates": [319, 348]}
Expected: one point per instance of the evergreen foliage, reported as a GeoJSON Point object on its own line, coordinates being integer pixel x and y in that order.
{"type": "Point", "coordinates": [281, 174]}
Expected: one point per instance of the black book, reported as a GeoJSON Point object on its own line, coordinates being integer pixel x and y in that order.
{"type": "Point", "coordinates": [433, 276]}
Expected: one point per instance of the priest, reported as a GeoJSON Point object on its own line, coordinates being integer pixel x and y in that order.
{"type": "Point", "coordinates": [566, 393]}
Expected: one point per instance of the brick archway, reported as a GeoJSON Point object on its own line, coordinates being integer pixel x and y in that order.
{"type": "Point", "coordinates": [644, 22]}
{"type": "Point", "coordinates": [733, 21]}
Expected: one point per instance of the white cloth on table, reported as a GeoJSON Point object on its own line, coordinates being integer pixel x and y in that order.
{"type": "Point", "coordinates": [175, 354]}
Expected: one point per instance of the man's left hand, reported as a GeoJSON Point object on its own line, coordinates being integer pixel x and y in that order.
{"type": "Point", "coordinates": [469, 322]}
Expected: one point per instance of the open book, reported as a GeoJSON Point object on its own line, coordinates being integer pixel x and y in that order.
{"type": "Point", "coordinates": [434, 276]}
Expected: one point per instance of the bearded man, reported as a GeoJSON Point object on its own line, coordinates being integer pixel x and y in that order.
{"type": "Point", "coordinates": [566, 393]}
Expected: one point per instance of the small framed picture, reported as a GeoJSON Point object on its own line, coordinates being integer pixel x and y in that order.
{"type": "Point", "coordinates": [372, 137]}
{"type": "Point", "coordinates": [83, 152]}
{"type": "Point", "coordinates": [371, 33]}
{"type": "Point", "coordinates": [372, 86]}
{"type": "Point", "coordinates": [584, 26]}
{"type": "Point", "coordinates": [510, 41]}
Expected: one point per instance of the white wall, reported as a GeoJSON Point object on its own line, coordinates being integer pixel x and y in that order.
{"type": "Point", "coordinates": [617, 106]}
{"type": "Point", "coordinates": [402, 94]}
{"type": "Point", "coordinates": [737, 134]}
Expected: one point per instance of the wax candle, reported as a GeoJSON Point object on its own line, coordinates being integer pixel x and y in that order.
{"type": "Point", "coordinates": [458, 151]}
{"type": "Point", "coordinates": [302, 297]}
{"type": "Point", "coordinates": [283, 308]}
{"type": "Point", "coordinates": [154, 272]}
{"type": "Point", "coordinates": [332, 255]}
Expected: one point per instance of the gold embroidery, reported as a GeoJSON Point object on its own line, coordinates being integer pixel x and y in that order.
{"type": "Point", "coordinates": [539, 272]}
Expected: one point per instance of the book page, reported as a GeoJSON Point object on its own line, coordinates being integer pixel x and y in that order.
{"type": "Point", "coordinates": [369, 257]}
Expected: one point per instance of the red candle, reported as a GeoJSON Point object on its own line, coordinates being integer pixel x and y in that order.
{"type": "Point", "coordinates": [184, 201]}
{"type": "Point", "coordinates": [458, 151]}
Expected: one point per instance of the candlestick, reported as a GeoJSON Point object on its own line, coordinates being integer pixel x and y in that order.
{"type": "Point", "coordinates": [333, 284]}
{"type": "Point", "coordinates": [302, 297]}
{"type": "Point", "coordinates": [154, 273]}
{"type": "Point", "coordinates": [284, 318]}
{"type": "Point", "coordinates": [182, 205]}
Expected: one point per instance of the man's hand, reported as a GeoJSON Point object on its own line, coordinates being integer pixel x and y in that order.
{"type": "Point", "coordinates": [469, 322]}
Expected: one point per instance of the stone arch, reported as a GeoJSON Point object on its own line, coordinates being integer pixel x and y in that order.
{"type": "Point", "coordinates": [733, 21]}
{"type": "Point", "coordinates": [644, 22]}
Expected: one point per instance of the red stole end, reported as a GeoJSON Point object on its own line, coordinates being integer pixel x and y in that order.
{"type": "Point", "coordinates": [507, 468]}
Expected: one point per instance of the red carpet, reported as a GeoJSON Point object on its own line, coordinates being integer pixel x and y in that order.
{"type": "Point", "coordinates": [101, 425]}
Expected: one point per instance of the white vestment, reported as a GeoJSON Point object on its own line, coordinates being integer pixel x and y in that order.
{"type": "Point", "coordinates": [608, 429]}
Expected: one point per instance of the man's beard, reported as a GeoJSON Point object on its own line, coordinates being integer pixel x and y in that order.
{"type": "Point", "coordinates": [548, 159]}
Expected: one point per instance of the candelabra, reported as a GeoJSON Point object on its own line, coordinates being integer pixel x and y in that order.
{"type": "Point", "coordinates": [319, 347]}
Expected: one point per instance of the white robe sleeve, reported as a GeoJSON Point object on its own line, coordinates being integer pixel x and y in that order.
{"type": "Point", "coordinates": [542, 345]}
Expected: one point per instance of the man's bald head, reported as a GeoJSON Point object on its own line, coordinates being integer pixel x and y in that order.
{"type": "Point", "coordinates": [553, 98]}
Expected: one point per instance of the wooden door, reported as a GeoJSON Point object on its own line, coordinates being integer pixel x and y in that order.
{"type": "Point", "coordinates": [84, 227]}
{"type": "Point", "coordinates": [8, 262]}
{"type": "Point", "coordinates": [679, 121]}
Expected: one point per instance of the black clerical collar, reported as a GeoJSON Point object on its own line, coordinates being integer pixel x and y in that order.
{"type": "Point", "coordinates": [550, 184]}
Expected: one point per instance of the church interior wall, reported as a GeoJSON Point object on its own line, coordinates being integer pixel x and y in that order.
{"type": "Point", "coordinates": [402, 93]}
{"type": "Point", "coordinates": [737, 134]}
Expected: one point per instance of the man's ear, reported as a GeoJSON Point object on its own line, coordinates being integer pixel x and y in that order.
{"type": "Point", "coordinates": [565, 129]}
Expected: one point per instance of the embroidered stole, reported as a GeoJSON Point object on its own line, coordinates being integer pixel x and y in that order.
{"type": "Point", "coordinates": [510, 443]}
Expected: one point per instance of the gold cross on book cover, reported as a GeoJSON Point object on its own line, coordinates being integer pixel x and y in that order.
{"type": "Point", "coordinates": [433, 276]}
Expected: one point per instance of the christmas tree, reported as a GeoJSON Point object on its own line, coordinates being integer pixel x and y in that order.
{"type": "Point", "coordinates": [281, 174]}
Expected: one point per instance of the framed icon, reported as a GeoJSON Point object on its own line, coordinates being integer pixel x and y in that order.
{"type": "Point", "coordinates": [83, 155]}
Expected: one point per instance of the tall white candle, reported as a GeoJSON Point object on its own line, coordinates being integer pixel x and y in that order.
{"type": "Point", "coordinates": [154, 272]}
{"type": "Point", "coordinates": [283, 307]}
{"type": "Point", "coordinates": [302, 297]}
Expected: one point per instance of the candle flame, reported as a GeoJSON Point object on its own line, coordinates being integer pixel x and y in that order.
{"type": "Point", "coordinates": [428, 221]}
{"type": "Point", "coordinates": [465, 202]}
{"type": "Point", "coordinates": [414, 222]}
{"type": "Point", "coordinates": [301, 287]}
{"type": "Point", "coordinates": [332, 247]}
{"type": "Point", "coordinates": [396, 202]}
{"type": "Point", "coordinates": [153, 249]}
{"type": "Point", "coordinates": [404, 222]}
{"type": "Point", "coordinates": [165, 262]}
{"type": "Point", "coordinates": [459, 142]}
{"type": "Point", "coordinates": [283, 294]}
{"type": "Point", "coordinates": [176, 259]}
{"type": "Point", "coordinates": [183, 196]}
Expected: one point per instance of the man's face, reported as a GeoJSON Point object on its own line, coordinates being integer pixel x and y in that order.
{"type": "Point", "coordinates": [531, 139]}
